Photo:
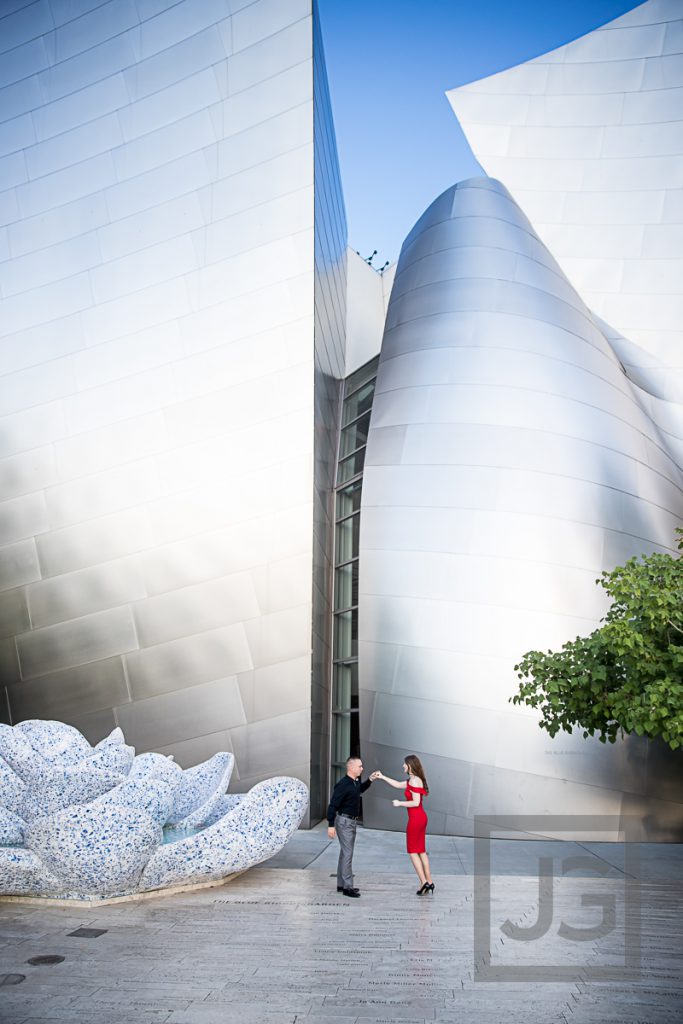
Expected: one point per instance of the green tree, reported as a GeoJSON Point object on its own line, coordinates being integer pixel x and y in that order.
{"type": "Point", "coordinates": [627, 676]}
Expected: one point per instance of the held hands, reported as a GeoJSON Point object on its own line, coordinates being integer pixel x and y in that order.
{"type": "Point", "coordinates": [376, 775]}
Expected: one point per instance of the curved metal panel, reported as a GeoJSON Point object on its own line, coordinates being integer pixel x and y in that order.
{"type": "Point", "coordinates": [157, 402]}
{"type": "Point", "coordinates": [509, 461]}
{"type": "Point", "coordinates": [589, 140]}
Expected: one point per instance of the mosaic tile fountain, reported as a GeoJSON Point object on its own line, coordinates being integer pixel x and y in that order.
{"type": "Point", "coordinates": [81, 822]}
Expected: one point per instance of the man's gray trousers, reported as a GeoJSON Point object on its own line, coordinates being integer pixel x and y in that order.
{"type": "Point", "coordinates": [346, 834]}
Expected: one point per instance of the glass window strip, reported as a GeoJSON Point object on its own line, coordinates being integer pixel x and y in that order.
{"type": "Point", "coordinates": [347, 458]}
{"type": "Point", "coordinates": [355, 451]}
{"type": "Point", "coordinates": [344, 718]}
{"type": "Point", "coordinates": [361, 376]}
{"type": "Point", "coordinates": [347, 519]}
{"type": "Point", "coordinates": [357, 478]}
{"type": "Point", "coordinates": [343, 519]}
{"type": "Point", "coordinates": [359, 379]}
{"type": "Point", "coordinates": [355, 419]}
{"type": "Point", "coordinates": [370, 379]}
{"type": "Point", "coordinates": [347, 499]}
{"type": "Point", "coordinates": [358, 405]}
{"type": "Point", "coordinates": [350, 561]}
{"type": "Point", "coordinates": [350, 464]}
{"type": "Point", "coordinates": [354, 394]}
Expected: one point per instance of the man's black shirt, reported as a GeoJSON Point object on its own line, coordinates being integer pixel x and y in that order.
{"type": "Point", "coordinates": [346, 798]}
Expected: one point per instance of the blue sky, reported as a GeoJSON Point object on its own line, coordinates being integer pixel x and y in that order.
{"type": "Point", "coordinates": [389, 63]}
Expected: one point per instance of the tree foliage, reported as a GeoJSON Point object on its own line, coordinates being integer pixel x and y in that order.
{"type": "Point", "coordinates": [627, 676]}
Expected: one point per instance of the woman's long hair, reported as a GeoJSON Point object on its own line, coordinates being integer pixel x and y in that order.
{"type": "Point", "coordinates": [415, 768]}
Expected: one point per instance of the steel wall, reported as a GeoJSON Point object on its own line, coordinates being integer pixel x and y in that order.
{"type": "Point", "coordinates": [510, 460]}
{"type": "Point", "coordinates": [589, 140]}
{"type": "Point", "coordinates": [157, 402]}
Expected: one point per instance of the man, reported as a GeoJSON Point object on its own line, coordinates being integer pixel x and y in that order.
{"type": "Point", "coordinates": [342, 821]}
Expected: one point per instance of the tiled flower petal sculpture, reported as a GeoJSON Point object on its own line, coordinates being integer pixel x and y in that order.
{"type": "Point", "coordinates": [82, 822]}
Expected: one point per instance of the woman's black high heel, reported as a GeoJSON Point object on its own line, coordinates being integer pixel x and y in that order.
{"type": "Point", "coordinates": [423, 890]}
{"type": "Point", "coordinates": [430, 887]}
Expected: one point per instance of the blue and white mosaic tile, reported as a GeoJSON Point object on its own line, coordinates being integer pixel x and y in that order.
{"type": "Point", "coordinates": [154, 796]}
{"type": "Point", "coordinates": [12, 789]}
{"type": "Point", "coordinates": [202, 787]}
{"type": "Point", "coordinates": [114, 737]}
{"type": "Point", "coordinates": [11, 828]}
{"type": "Point", "coordinates": [22, 873]}
{"type": "Point", "coordinates": [55, 741]}
{"type": "Point", "coordinates": [223, 805]}
{"type": "Point", "coordinates": [82, 822]}
{"type": "Point", "coordinates": [58, 788]}
{"type": "Point", "coordinates": [250, 833]}
{"type": "Point", "coordinates": [100, 849]}
{"type": "Point", "coordinates": [156, 766]}
{"type": "Point", "coordinates": [20, 755]}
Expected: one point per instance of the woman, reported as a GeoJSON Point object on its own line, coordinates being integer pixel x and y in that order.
{"type": "Point", "coordinates": [416, 789]}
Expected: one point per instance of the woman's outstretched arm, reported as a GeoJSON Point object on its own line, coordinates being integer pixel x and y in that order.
{"type": "Point", "coordinates": [392, 782]}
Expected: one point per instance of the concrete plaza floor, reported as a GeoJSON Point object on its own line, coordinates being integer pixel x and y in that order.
{"type": "Point", "coordinates": [278, 945]}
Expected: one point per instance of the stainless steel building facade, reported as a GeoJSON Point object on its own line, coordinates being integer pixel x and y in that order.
{"type": "Point", "coordinates": [179, 315]}
{"type": "Point", "coordinates": [168, 394]}
{"type": "Point", "coordinates": [509, 460]}
{"type": "Point", "coordinates": [589, 140]}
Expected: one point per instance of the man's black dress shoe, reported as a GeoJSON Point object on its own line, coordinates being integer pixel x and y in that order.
{"type": "Point", "coordinates": [351, 892]}
{"type": "Point", "coordinates": [340, 888]}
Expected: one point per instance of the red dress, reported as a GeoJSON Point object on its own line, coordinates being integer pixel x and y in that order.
{"type": "Point", "coordinates": [417, 821]}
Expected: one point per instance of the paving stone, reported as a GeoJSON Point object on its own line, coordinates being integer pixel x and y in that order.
{"type": "Point", "coordinates": [84, 1016]}
{"type": "Point", "coordinates": [199, 1013]}
{"type": "Point", "coordinates": [279, 944]}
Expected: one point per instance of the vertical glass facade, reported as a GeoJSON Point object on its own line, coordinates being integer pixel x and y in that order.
{"type": "Point", "coordinates": [329, 289]}
{"type": "Point", "coordinates": [359, 389]}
